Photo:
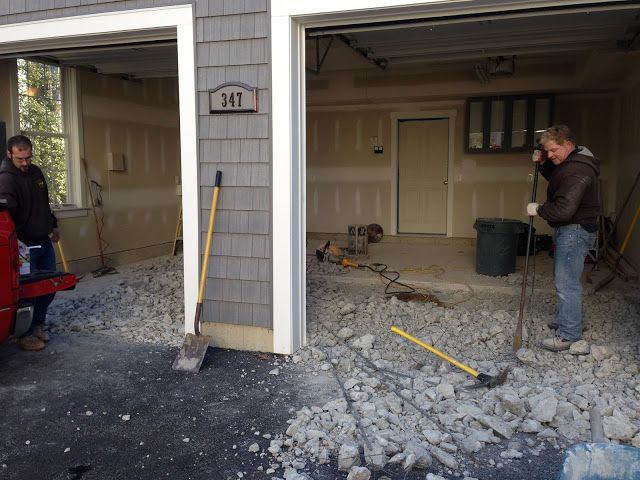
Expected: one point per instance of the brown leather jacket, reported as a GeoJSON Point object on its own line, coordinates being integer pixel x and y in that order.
{"type": "Point", "coordinates": [572, 194]}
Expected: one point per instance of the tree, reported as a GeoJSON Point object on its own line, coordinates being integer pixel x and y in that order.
{"type": "Point", "coordinates": [41, 119]}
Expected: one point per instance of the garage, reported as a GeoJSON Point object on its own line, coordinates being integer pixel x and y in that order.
{"type": "Point", "coordinates": [103, 112]}
{"type": "Point", "coordinates": [422, 120]}
{"type": "Point", "coordinates": [417, 117]}
{"type": "Point", "coordinates": [468, 68]}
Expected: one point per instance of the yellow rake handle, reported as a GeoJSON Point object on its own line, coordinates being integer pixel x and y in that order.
{"type": "Point", "coordinates": [444, 356]}
{"type": "Point", "coordinates": [62, 257]}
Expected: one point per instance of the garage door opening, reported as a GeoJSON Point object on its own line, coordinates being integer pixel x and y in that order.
{"type": "Point", "coordinates": [423, 125]}
{"type": "Point", "coordinates": [499, 77]}
{"type": "Point", "coordinates": [127, 120]}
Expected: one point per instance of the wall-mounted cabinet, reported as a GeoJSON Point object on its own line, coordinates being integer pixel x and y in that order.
{"type": "Point", "coordinates": [507, 123]}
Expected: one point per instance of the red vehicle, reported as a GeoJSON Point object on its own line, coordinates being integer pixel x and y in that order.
{"type": "Point", "coordinates": [18, 291]}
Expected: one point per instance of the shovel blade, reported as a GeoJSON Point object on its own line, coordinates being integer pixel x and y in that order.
{"type": "Point", "coordinates": [191, 354]}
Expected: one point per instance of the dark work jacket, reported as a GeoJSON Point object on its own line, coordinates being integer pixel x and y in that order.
{"type": "Point", "coordinates": [572, 194]}
{"type": "Point", "coordinates": [27, 199]}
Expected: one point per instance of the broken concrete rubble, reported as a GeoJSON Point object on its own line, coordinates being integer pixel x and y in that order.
{"type": "Point", "coordinates": [414, 406]}
{"type": "Point", "coordinates": [415, 412]}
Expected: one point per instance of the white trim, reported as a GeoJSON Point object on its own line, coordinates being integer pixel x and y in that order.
{"type": "Point", "coordinates": [75, 141]}
{"type": "Point", "coordinates": [189, 164]}
{"type": "Point", "coordinates": [426, 115]}
{"type": "Point", "coordinates": [46, 33]}
{"type": "Point", "coordinates": [69, 212]}
{"type": "Point", "coordinates": [13, 127]}
{"type": "Point", "coordinates": [288, 250]}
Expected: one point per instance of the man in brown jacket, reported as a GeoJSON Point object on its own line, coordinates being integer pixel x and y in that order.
{"type": "Point", "coordinates": [572, 208]}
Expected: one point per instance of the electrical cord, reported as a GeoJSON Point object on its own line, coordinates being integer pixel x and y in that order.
{"type": "Point", "coordinates": [389, 275]}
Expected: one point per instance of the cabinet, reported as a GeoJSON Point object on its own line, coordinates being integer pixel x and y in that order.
{"type": "Point", "coordinates": [510, 123]}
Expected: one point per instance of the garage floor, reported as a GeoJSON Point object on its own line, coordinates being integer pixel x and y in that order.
{"type": "Point", "coordinates": [442, 264]}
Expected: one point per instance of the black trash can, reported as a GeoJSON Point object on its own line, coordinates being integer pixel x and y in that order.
{"type": "Point", "coordinates": [522, 241]}
{"type": "Point", "coordinates": [497, 245]}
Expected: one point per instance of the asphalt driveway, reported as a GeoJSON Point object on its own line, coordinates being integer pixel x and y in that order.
{"type": "Point", "coordinates": [96, 407]}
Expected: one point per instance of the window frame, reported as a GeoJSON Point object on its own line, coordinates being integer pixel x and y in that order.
{"type": "Point", "coordinates": [507, 126]}
{"type": "Point", "coordinates": [71, 131]}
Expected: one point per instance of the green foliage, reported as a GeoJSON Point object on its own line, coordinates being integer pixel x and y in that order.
{"type": "Point", "coordinates": [41, 119]}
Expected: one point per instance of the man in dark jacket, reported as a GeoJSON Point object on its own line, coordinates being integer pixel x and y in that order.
{"type": "Point", "coordinates": [572, 208]}
{"type": "Point", "coordinates": [23, 186]}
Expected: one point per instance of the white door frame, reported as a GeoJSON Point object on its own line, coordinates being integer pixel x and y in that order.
{"type": "Point", "coordinates": [396, 117]}
{"type": "Point", "coordinates": [288, 22]}
{"type": "Point", "coordinates": [47, 34]}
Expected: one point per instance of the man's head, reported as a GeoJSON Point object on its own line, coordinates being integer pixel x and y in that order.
{"type": "Point", "coordinates": [20, 152]}
{"type": "Point", "coordinates": [558, 141]}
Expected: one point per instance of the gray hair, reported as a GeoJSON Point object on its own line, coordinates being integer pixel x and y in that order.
{"type": "Point", "coordinates": [558, 134]}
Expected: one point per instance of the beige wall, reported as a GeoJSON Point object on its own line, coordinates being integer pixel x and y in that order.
{"type": "Point", "coordinates": [140, 120]}
{"type": "Point", "coordinates": [629, 167]}
{"type": "Point", "coordinates": [348, 183]}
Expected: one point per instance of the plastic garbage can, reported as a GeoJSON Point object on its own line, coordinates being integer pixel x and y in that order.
{"type": "Point", "coordinates": [496, 245]}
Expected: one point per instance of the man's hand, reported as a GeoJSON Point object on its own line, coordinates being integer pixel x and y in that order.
{"type": "Point", "coordinates": [532, 209]}
{"type": "Point", "coordinates": [55, 235]}
{"type": "Point", "coordinates": [539, 156]}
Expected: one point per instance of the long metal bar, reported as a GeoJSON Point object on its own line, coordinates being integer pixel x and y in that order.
{"type": "Point", "coordinates": [517, 337]}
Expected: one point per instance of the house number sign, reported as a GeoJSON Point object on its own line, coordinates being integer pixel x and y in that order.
{"type": "Point", "coordinates": [233, 97]}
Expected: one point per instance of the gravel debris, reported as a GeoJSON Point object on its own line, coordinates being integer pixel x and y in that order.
{"type": "Point", "coordinates": [403, 407]}
{"type": "Point", "coordinates": [142, 303]}
{"type": "Point", "coordinates": [413, 408]}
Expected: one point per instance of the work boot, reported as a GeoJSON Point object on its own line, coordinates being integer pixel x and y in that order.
{"type": "Point", "coordinates": [556, 344]}
{"type": "Point", "coordinates": [30, 343]}
{"type": "Point", "coordinates": [39, 332]}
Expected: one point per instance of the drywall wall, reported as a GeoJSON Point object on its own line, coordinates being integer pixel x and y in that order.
{"type": "Point", "coordinates": [348, 183]}
{"type": "Point", "coordinates": [137, 122]}
{"type": "Point", "coordinates": [629, 168]}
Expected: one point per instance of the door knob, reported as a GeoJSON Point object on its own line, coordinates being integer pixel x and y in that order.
{"type": "Point", "coordinates": [446, 182]}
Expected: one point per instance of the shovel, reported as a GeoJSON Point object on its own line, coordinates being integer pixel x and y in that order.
{"type": "Point", "coordinates": [195, 346]}
{"type": "Point", "coordinates": [484, 379]}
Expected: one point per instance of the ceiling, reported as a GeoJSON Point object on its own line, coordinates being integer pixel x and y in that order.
{"type": "Point", "coordinates": [532, 36]}
{"type": "Point", "coordinates": [130, 54]}
{"type": "Point", "coordinates": [138, 60]}
{"type": "Point", "coordinates": [467, 40]}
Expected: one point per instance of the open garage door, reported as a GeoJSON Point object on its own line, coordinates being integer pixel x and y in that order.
{"type": "Point", "coordinates": [131, 80]}
{"type": "Point", "coordinates": [527, 64]}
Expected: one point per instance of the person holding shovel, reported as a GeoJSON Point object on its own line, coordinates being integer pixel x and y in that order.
{"type": "Point", "coordinates": [24, 187]}
{"type": "Point", "coordinates": [571, 208]}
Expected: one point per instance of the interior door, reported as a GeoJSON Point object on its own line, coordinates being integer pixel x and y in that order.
{"type": "Point", "coordinates": [423, 156]}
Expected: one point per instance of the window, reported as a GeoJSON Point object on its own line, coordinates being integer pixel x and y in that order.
{"type": "Point", "coordinates": [45, 116]}
{"type": "Point", "coordinates": [506, 124]}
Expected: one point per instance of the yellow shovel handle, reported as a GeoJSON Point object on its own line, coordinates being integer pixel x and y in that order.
{"type": "Point", "coordinates": [629, 231]}
{"type": "Point", "coordinates": [444, 356]}
{"type": "Point", "coordinates": [207, 248]}
{"type": "Point", "coordinates": [62, 257]}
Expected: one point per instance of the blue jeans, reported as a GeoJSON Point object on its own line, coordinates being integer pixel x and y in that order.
{"type": "Point", "coordinates": [572, 245]}
{"type": "Point", "coordinates": [42, 259]}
